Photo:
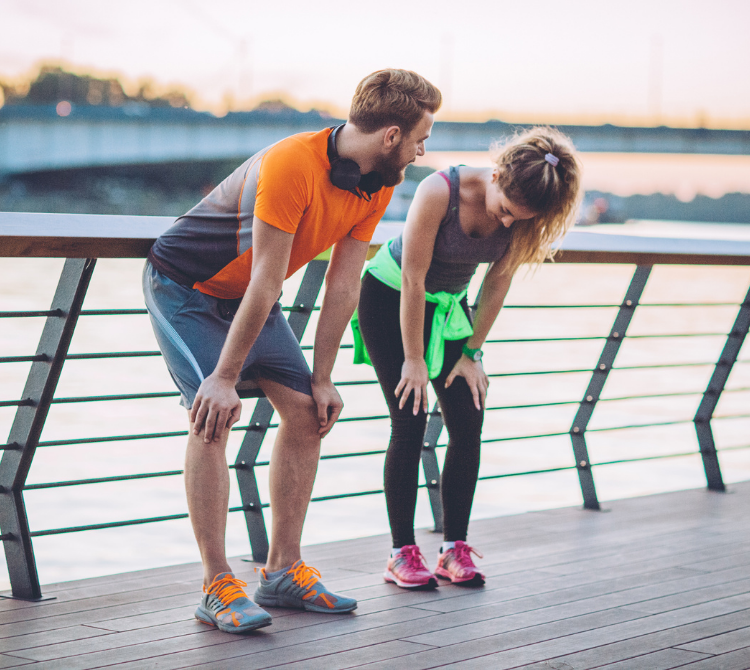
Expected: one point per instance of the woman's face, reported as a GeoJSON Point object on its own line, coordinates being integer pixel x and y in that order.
{"type": "Point", "coordinates": [501, 208]}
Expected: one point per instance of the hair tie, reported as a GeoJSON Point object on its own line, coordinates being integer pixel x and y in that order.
{"type": "Point", "coordinates": [552, 159]}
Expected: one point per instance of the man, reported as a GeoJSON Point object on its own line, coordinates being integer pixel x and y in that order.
{"type": "Point", "coordinates": [212, 283]}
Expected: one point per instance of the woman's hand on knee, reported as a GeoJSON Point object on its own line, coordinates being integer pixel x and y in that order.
{"type": "Point", "coordinates": [476, 379]}
{"type": "Point", "coordinates": [414, 377]}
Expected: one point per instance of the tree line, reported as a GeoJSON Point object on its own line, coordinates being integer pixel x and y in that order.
{"type": "Point", "coordinates": [53, 84]}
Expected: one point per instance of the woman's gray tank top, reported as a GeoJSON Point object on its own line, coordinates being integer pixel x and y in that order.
{"type": "Point", "coordinates": [456, 255]}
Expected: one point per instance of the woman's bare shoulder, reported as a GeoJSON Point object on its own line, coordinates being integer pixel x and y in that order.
{"type": "Point", "coordinates": [435, 184]}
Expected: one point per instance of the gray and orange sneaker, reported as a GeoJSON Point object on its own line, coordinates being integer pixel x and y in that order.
{"type": "Point", "coordinates": [226, 606]}
{"type": "Point", "coordinates": [456, 564]}
{"type": "Point", "coordinates": [300, 588]}
{"type": "Point", "coordinates": [408, 569]}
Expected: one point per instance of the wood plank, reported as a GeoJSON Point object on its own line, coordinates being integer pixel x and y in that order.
{"type": "Point", "coordinates": [660, 660]}
{"type": "Point", "coordinates": [110, 641]}
{"type": "Point", "coordinates": [720, 644]}
{"type": "Point", "coordinates": [84, 616]}
{"type": "Point", "coordinates": [490, 644]}
{"type": "Point", "coordinates": [60, 635]}
{"type": "Point", "coordinates": [544, 609]}
{"type": "Point", "coordinates": [146, 651]}
{"type": "Point", "coordinates": [307, 642]}
{"type": "Point", "coordinates": [735, 660]}
{"type": "Point", "coordinates": [694, 596]}
{"type": "Point", "coordinates": [666, 659]}
{"type": "Point", "coordinates": [616, 592]}
{"type": "Point", "coordinates": [54, 608]}
{"type": "Point", "coordinates": [134, 622]}
{"type": "Point", "coordinates": [272, 643]}
{"type": "Point", "coordinates": [376, 635]}
{"type": "Point", "coordinates": [658, 581]}
{"type": "Point", "coordinates": [10, 662]}
{"type": "Point", "coordinates": [539, 643]}
{"type": "Point", "coordinates": [343, 659]}
{"type": "Point", "coordinates": [115, 236]}
{"type": "Point", "coordinates": [624, 649]}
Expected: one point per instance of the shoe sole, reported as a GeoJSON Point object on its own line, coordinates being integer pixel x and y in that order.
{"type": "Point", "coordinates": [231, 629]}
{"type": "Point", "coordinates": [293, 603]}
{"type": "Point", "coordinates": [425, 586]}
{"type": "Point", "coordinates": [476, 580]}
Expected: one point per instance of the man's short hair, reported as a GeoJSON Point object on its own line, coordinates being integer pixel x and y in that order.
{"type": "Point", "coordinates": [393, 98]}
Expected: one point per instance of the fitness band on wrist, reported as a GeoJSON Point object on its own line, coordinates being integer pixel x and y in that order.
{"type": "Point", "coordinates": [473, 354]}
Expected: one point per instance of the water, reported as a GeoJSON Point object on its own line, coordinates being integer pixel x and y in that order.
{"type": "Point", "coordinates": [30, 283]}
{"type": "Point", "coordinates": [684, 175]}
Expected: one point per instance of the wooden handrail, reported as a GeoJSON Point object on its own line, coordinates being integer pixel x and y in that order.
{"type": "Point", "coordinates": [33, 235]}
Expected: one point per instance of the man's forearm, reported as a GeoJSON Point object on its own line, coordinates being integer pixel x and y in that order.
{"type": "Point", "coordinates": [246, 326]}
{"type": "Point", "coordinates": [335, 314]}
{"type": "Point", "coordinates": [271, 249]}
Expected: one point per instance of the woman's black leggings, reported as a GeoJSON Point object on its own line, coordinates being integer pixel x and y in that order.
{"type": "Point", "coordinates": [381, 330]}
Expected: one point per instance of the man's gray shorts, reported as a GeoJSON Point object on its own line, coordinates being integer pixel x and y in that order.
{"type": "Point", "coordinates": [191, 328]}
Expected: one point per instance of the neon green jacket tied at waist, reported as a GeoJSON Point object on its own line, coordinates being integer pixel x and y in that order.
{"type": "Point", "coordinates": [448, 323]}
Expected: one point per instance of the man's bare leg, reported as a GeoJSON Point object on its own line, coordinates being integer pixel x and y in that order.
{"type": "Point", "coordinates": [207, 486]}
{"type": "Point", "coordinates": [294, 464]}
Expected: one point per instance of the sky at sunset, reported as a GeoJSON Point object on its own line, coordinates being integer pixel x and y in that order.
{"type": "Point", "coordinates": [638, 62]}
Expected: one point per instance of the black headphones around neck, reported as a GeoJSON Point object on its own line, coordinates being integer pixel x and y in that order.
{"type": "Point", "coordinates": [346, 175]}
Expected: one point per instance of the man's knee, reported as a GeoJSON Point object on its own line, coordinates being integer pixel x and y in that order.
{"type": "Point", "coordinates": [196, 442]}
{"type": "Point", "coordinates": [296, 410]}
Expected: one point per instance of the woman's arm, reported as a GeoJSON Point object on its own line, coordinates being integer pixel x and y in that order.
{"type": "Point", "coordinates": [494, 289]}
{"type": "Point", "coordinates": [422, 223]}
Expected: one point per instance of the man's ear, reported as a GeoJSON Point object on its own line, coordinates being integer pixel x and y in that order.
{"type": "Point", "coordinates": [391, 137]}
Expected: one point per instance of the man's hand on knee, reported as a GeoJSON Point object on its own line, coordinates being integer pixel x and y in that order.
{"type": "Point", "coordinates": [216, 409]}
{"type": "Point", "coordinates": [329, 405]}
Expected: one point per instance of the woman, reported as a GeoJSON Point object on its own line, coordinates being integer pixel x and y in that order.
{"type": "Point", "coordinates": [414, 320]}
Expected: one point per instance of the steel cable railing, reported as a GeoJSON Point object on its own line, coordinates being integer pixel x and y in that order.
{"type": "Point", "coordinates": [255, 430]}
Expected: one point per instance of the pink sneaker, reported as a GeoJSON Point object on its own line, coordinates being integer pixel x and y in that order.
{"type": "Point", "coordinates": [456, 565]}
{"type": "Point", "coordinates": [408, 569]}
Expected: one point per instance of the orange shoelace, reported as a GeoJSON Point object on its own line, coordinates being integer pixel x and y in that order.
{"type": "Point", "coordinates": [227, 589]}
{"type": "Point", "coordinates": [306, 577]}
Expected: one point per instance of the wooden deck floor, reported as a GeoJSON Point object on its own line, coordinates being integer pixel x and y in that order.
{"type": "Point", "coordinates": [654, 583]}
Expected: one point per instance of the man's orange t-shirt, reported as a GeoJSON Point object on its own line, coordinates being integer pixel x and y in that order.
{"type": "Point", "coordinates": [287, 185]}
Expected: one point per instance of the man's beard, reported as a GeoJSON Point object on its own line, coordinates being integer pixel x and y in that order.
{"type": "Point", "coordinates": [392, 169]}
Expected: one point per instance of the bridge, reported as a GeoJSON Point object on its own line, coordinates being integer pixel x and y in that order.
{"type": "Point", "coordinates": [37, 139]}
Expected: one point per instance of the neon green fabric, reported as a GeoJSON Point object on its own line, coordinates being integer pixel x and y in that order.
{"type": "Point", "coordinates": [448, 323]}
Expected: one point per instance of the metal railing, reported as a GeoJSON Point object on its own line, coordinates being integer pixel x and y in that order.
{"type": "Point", "coordinates": [82, 239]}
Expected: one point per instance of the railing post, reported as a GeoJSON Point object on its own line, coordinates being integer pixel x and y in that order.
{"type": "Point", "coordinates": [713, 392]}
{"type": "Point", "coordinates": [29, 422]}
{"type": "Point", "coordinates": [244, 468]}
{"type": "Point", "coordinates": [430, 465]}
{"type": "Point", "coordinates": [596, 384]}
{"type": "Point", "coordinates": [261, 419]}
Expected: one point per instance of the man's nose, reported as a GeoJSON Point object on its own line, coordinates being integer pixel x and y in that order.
{"type": "Point", "coordinates": [507, 220]}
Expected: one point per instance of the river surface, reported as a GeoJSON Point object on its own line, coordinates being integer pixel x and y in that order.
{"type": "Point", "coordinates": [682, 175]}
{"type": "Point", "coordinates": [30, 283]}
